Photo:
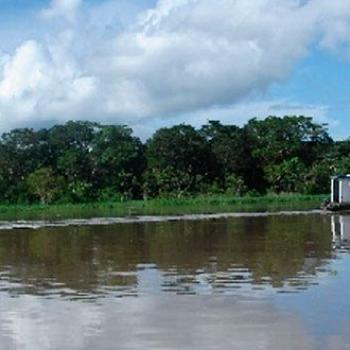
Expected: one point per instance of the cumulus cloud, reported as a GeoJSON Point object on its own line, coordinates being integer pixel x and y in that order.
{"type": "Point", "coordinates": [180, 57]}
{"type": "Point", "coordinates": [41, 82]}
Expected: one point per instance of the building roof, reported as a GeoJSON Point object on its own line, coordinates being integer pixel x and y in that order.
{"type": "Point", "coordinates": [341, 177]}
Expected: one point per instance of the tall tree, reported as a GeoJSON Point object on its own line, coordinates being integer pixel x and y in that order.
{"type": "Point", "coordinates": [183, 152]}
{"type": "Point", "coordinates": [21, 152]}
{"type": "Point", "coordinates": [277, 139]}
{"type": "Point", "coordinates": [230, 148]}
{"type": "Point", "coordinates": [117, 160]}
{"type": "Point", "coordinates": [71, 146]}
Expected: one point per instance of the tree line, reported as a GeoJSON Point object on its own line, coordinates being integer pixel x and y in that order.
{"type": "Point", "coordinates": [83, 161]}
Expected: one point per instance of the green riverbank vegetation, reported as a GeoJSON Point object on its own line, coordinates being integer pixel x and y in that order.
{"type": "Point", "coordinates": [84, 162]}
{"type": "Point", "coordinates": [202, 204]}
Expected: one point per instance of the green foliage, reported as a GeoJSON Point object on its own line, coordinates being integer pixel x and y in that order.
{"type": "Point", "coordinates": [118, 161]}
{"type": "Point", "coordinates": [234, 185]}
{"type": "Point", "coordinates": [82, 162]}
{"type": "Point", "coordinates": [278, 139]}
{"type": "Point", "coordinates": [318, 177]}
{"type": "Point", "coordinates": [161, 206]}
{"type": "Point", "coordinates": [229, 146]}
{"type": "Point", "coordinates": [80, 191]}
{"type": "Point", "coordinates": [182, 148]}
{"type": "Point", "coordinates": [45, 184]}
{"type": "Point", "coordinates": [287, 176]}
{"type": "Point", "coordinates": [170, 182]}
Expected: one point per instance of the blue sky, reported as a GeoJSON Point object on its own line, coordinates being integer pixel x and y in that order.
{"type": "Point", "coordinates": [322, 79]}
{"type": "Point", "coordinates": [152, 63]}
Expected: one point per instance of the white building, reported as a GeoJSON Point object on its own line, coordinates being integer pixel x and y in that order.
{"type": "Point", "coordinates": [340, 189]}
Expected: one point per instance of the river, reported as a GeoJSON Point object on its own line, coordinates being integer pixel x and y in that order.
{"type": "Point", "coordinates": [252, 282]}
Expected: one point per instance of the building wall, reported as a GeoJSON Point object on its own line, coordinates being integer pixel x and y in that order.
{"type": "Point", "coordinates": [344, 190]}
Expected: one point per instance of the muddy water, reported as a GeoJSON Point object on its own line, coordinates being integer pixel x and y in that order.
{"type": "Point", "coordinates": [267, 282]}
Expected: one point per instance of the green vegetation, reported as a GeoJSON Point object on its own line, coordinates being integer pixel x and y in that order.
{"type": "Point", "coordinates": [83, 162]}
{"type": "Point", "coordinates": [161, 206]}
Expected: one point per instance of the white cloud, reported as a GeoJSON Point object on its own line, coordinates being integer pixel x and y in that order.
{"type": "Point", "coordinates": [181, 57]}
{"type": "Point", "coordinates": [42, 82]}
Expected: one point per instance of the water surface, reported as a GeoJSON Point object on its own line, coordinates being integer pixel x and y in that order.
{"type": "Point", "coordinates": [260, 282]}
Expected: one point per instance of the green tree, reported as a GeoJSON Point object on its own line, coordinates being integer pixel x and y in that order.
{"type": "Point", "coordinates": [118, 161]}
{"type": "Point", "coordinates": [45, 184]}
{"type": "Point", "coordinates": [277, 139]}
{"type": "Point", "coordinates": [317, 178]}
{"type": "Point", "coordinates": [88, 161]}
{"type": "Point", "coordinates": [283, 145]}
{"type": "Point", "coordinates": [232, 152]}
{"type": "Point", "coordinates": [21, 152]}
{"type": "Point", "coordinates": [287, 176]}
{"type": "Point", "coordinates": [170, 182]}
{"type": "Point", "coordinates": [71, 146]}
{"type": "Point", "coordinates": [183, 153]}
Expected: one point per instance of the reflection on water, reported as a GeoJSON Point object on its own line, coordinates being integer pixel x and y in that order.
{"type": "Point", "coordinates": [225, 256]}
{"type": "Point", "coordinates": [341, 232]}
{"type": "Point", "coordinates": [153, 323]}
{"type": "Point", "coordinates": [220, 284]}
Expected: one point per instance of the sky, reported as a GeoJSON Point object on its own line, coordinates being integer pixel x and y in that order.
{"type": "Point", "coordinates": [154, 63]}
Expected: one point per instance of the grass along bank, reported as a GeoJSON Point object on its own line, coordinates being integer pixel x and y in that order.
{"type": "Point", "coordinates": [172, 206]}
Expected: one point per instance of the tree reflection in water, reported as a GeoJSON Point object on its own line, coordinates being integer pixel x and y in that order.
{"type": "Point", "coordinates": [225, 256]}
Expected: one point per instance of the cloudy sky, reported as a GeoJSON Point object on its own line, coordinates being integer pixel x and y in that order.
{"type": "Point", "coordinates": [150, 63]}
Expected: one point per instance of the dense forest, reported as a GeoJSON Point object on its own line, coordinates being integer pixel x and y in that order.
{"type": "Point", "coordinates": [84, 161]}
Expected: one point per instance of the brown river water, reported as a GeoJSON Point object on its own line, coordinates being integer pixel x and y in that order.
{"type": "Point", "coordinates": [252, 282]}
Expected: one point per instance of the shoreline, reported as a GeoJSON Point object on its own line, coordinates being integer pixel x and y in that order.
{"type": "Point", "coordinates": [37, 224]}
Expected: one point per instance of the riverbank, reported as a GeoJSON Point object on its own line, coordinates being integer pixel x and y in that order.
{"type": "Point", "coordinates": [37, 224]}
{"type": "Point", "coordinates": [172, 206]}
